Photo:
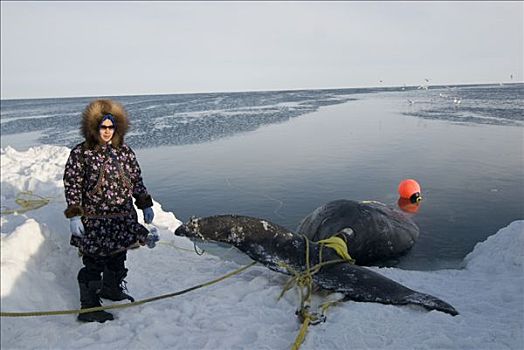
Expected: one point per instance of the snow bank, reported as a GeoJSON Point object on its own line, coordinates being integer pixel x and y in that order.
{"type": "Point", "coordinates": [39, 267]}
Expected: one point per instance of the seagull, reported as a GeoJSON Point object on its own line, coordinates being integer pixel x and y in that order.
{"type": "Point", "coordinates": [457, 101]}
{"type": "Point", "coordinates": [411, 102]}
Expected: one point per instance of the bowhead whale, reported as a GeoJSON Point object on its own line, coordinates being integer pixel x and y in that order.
{"type": "Point", "coordinates": [279, 249]}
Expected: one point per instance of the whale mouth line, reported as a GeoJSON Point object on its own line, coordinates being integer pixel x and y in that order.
{"type": "Point", "coordinates": [192, 235]}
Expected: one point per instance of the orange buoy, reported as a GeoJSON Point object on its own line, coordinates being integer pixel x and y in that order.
{"type": "Point", "coordinates": [406, 205]}
{"type": "Point", "coordinates": [410, 189]}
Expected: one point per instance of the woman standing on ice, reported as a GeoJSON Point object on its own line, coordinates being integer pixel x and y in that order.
{"type": "Point", "coordinates": [101, 178]}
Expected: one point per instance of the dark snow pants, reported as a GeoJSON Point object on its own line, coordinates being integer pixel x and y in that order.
{"type": "Point", "coordinates": [94, 266]}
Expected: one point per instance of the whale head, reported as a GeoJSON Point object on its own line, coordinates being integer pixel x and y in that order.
{"type": "Point", "coordinates": [191, 230]}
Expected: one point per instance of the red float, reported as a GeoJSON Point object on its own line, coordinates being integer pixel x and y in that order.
{"type": "Point", "coordinates": [410, 189]}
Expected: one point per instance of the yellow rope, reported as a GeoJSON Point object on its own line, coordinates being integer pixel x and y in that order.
{"type": "Point", "coordinates": [304, 280]}
{"type": "Point", "coordinates": [169, 243]}
{"type": "Point", "coordinates": [27, 204]}
{"type": "Point", "coordinates": [339, 246]}
{"type": "Point", "coordinates": [121, 306]}
{"type": "Point", "coordinates": [301, 334]}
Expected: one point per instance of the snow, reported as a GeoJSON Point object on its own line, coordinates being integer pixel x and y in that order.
{"type": "Point", "coordinates": [39, 267]}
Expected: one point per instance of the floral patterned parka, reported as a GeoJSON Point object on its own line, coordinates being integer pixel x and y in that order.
{"type": "Point", "coordinates": [100, 182]}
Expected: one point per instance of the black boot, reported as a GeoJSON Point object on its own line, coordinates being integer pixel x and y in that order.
{"type": "Point", "coordinates": [113, 285]}
{"type": "Point", "coordinates": [89, 299]}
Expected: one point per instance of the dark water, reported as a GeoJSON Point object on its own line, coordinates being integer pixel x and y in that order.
{"type": "Point", "coordinates": [279, 155]}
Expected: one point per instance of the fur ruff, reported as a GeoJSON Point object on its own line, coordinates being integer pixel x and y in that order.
{"type": "Point", "coordinates": [92, 116]}
{"type": "Point", "coordinates": [72, 211]}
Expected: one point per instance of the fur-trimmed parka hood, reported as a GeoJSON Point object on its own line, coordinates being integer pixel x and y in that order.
{"type": "Point", "coordinates": [92, 116]}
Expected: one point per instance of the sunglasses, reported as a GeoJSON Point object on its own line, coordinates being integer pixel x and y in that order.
{"type": "Point", "coordinates": [105, 127]}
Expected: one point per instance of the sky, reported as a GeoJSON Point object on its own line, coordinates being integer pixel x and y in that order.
{"type": "Point", "coordinates": [66, 49]}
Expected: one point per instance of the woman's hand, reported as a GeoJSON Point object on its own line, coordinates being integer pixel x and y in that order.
{"type": "Point", "coordinates": [148, 215]}
{"type": "Point", "coordinates": [76, 227]}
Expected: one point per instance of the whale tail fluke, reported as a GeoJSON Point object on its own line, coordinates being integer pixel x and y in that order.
{"type": "Point", "coordinates": [430, 302]}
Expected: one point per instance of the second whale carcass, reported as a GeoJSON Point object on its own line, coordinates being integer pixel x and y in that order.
{"type": "Point", "coordinates": [373, 231]}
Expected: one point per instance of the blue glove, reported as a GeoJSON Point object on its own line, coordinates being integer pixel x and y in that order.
{"type": "Point", "coordinates": [152, 238]}
{"type": "Point", "coordinates": [76, 227]}
{"type": "Point", "coordinates": [148, 215]}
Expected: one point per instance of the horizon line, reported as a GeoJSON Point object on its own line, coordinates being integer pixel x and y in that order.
{"type": "Point", "coordinates": [269, 90]}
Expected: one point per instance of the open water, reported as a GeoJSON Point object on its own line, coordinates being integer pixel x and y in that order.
{"type": "Point", "coordinates": [279, 155]}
